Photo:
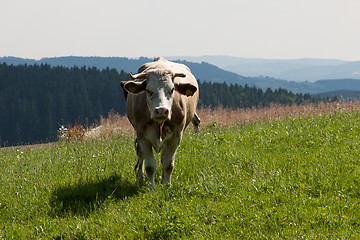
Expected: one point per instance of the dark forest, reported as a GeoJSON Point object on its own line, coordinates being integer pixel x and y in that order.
{"type": "Point", "coordinates": [36, 99]}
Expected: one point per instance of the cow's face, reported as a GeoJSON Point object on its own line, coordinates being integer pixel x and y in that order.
{"type": "Point", "coordinates": [160, 91]}
{"type": "Point", "coordinates": [159, 88]}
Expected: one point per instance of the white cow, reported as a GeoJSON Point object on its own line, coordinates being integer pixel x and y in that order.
{"type": "Point", "coordinates": [162, 102]}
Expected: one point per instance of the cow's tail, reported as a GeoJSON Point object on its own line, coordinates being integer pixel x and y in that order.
{"type": "Point", "coordinates": [196, 122]}
{"type": "Point", "coordinates": [138, 154]}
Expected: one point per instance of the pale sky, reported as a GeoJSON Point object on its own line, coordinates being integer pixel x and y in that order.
{"type": "Point", "coordinates": [280, 29]}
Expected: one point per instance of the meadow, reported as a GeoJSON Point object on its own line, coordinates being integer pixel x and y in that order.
{"type": "Point", "coordinates": [275, 173]}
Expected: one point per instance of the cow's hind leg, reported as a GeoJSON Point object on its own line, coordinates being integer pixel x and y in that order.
{"type": "Point", "coordinates": [168, 159]}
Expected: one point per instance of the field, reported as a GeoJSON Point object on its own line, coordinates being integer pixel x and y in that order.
{"type": "Point", "coordinates": [276, 173]}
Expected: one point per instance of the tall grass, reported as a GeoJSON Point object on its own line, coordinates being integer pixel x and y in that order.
{"type": "Point", "coordinates": [224, 116]}
{"type": "Point", "coordinates": [115, 124]}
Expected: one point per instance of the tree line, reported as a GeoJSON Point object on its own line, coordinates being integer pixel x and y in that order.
{"type": "Point", "coordinates": [237, 96]}
{"type": "Point", "coordinates": [36, 99]}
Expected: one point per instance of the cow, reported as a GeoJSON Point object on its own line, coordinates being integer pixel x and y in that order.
{"type": "Point", "coordinates": [161, 100]}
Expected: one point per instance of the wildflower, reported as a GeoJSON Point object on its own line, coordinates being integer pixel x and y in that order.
{"type": "Point", "coordinates": [62, 133]}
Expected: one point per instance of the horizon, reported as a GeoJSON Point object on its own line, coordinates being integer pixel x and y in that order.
{"type": "Point", "coordinates": [174, 57]}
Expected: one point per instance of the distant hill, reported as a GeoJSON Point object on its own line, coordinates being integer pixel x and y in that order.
{"type": "Point", "coordinates": [17, 61]}
{"type": "Point", "coordinates": [346, 94]}
{"type": "Point", "coordinates": [210, 73]}
{"type": "Point", "coordinates": [299, 70]}
{"type": "Point", "coordinates": [322, 86]}
{"type": "Point", "coordinates": [312, 73]}
{"type": "Point", "coordinates": [228, 61]}
{"type": "Point", "coordinates": [203, 71]}
{"type": "Point", "coordinates": [338, 84]}
{"type": "Point", "coordinates": [118, 63]}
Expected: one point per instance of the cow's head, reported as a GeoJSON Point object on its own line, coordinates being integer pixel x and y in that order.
{"type": "Point", "coordinates": [159, 87]}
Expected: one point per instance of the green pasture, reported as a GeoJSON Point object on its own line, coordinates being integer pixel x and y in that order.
{"type": "Point", "coordinates": [289, 179]}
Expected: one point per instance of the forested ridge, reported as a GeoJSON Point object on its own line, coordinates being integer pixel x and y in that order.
{"type": "Point", "coordinates": [36, 99]}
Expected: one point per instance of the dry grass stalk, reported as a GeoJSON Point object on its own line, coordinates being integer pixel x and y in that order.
{"type": "Point", "coordinates": [116, 124]}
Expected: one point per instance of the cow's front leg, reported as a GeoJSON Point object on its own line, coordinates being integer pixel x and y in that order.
{"type": "Point", "coordinates": [168, 158]}
{"type": "Point", "coordinates": [149, 161]}
{"type": "Point", "coordinates": [140, 163]}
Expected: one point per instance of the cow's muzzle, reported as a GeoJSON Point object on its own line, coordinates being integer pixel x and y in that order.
{"type": "Point", "coordinates": [161, 114]}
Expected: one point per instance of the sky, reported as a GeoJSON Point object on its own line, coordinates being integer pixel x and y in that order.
{"type": "Point", "coordinates": [273, 29]}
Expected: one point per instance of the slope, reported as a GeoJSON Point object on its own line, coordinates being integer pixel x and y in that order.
{"type": "Point", "coordinates": [296, 178]}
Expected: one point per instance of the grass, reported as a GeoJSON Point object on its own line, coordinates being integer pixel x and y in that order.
{"type": "Point", "coordinates": [279, 179]}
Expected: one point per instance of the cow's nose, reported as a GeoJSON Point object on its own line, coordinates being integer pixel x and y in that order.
{"type": "Point", "coordinates": [161, 113]}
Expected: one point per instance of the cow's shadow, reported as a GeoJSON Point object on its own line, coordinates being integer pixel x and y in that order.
{"type": "Point", "coordinates": [85, 198]}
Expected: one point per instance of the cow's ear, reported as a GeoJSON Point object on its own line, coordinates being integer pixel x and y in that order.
{"type": "Point", "coordinates": [134, 87]}
{"type": "Point", "coordinates": [186, 88]}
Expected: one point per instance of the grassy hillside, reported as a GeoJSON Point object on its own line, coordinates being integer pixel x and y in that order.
{"type": "Point", "coordinates": [294, 178]}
